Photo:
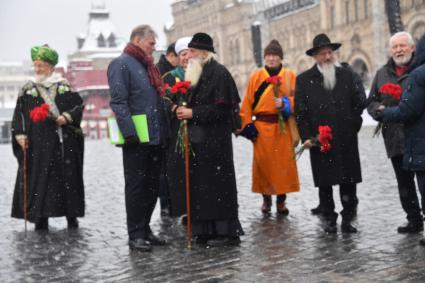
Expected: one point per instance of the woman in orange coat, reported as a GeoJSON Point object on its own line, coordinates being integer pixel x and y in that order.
{"type": "Point", "coordinates": [266, 120]}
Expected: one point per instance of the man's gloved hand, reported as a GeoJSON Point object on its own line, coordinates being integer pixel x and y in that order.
{"type": "Point", "coordinates": [286, 107]}
{"type": "Point", "coordinates": [131, 141]}
{"type": "Point", "coordinates": [250, 132]}
{"type": "Point", "coordinates": [379, 113]}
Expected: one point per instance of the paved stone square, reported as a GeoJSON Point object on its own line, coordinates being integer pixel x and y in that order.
{"type": "Point", "coordinates": [274, 249]}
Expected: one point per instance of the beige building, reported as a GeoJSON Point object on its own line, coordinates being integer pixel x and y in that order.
{"type": "Point", "coordinates": [360, 25]}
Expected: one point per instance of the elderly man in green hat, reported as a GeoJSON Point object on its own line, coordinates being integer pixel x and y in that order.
{"type": "Point", "coordinates": [49, 146]}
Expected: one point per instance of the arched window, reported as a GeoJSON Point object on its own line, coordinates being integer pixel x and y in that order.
{"type": "Point", "coordinates": [101, 41]}
{"type": "Point", "coordinates": [418, 30]}
{"type": "Point", "coordinates": [112, 41]}
{"type": "Point", "coordinates": [360, 67]}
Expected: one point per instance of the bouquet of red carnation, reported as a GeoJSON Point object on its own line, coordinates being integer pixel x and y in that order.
{"type": "Point", "coordinates": [39, 114]}
{"type": "Point", "coordinates": [180, 90]}
{"type": "Point", "coordinates": [390, 94]}
{"type": "Point", "coordinates": [322, 139]}
{"type": "Point", "coordinates": [275, 81]}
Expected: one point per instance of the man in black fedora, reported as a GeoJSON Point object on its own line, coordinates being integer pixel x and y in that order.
{"type": "Point", "coordinates": [212, 113]}
{"type": "Point", "coordinates": [326, 95]}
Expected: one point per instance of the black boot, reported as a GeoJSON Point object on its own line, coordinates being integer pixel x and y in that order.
{"type": "Point", "coordinates": [330, 226]}
{"type": "Point", "coordinates": [346, 227]}
{"type": "Point", "coordinates": [267, 204]}
{"type": "Point", "coordinates": [317, 210]}
{"type": "Point", "coordinates": [41, 224]}
{"type": "Point", "coordinates": [72, 222]}
{"type": "Point", "coordinates": [280, 205]}
{"type": "Point", "coordinates": [411, 227]}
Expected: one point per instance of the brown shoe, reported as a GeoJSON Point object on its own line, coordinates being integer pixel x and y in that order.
{"type": "Point", "coordinates": [280, 205]}
{"type": "Point", "coordinates": [267, 204]}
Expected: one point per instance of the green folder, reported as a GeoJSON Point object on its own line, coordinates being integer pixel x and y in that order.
{"type": "Point", "coordinates": [140, 124]}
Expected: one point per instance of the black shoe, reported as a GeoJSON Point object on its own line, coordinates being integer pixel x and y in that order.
{"type": "Point", "coordinates": [202, 240]}
{"type": "Point", "coordinates": [346, 227]}
{"type": "Point", "coordinates": [411, 228]}
{"type": "Point", "coordinates": [422, 242]}
{"type": "Point", "coordinates": [184, 220]}
{"type": "Point", "coordinates": [155, 241]}
{"type": "Point", "coordinates": [330, 227]}
{"type": "Point", "coordinates": [42, 224]}
{"type": "Point", "coordinates": [72, 222]}
{"type": "Point", "coordinates": [140, 245]}
{"type": "Point", "coordinates": [317, 210]}
{"type": "Point", "coordinates": [224, 241]}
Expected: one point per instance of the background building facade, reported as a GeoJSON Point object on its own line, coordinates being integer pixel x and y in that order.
{"type": "Point", "coordinates": [360, 25]}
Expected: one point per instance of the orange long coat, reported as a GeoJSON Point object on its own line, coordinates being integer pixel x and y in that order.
{"type": "Point", "coordinates": [274, 169]}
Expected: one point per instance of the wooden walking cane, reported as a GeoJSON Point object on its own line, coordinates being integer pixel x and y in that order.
{"type": "Point", "coordinates": [25, 184]}
{"type": "Point", "coordinates": [186, 159]}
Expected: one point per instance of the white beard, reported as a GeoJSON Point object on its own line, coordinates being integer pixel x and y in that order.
{"type": "Point", "coordinates": [193, 71]}
{"type": "Point", "coordinates": [329, 76]}
{"type": "Point", "coordinates": [402, 61]}
{"type": "Point", "coordinates": [40, 78]}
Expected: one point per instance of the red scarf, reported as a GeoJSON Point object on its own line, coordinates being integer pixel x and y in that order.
{"type": "Point", "coordinates": [154, 75]}
{"type": "Point", "coordinates": [400, 70]}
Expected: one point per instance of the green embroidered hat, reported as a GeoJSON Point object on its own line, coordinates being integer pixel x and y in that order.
{"type": "Point", "coordinates": [44, 53]}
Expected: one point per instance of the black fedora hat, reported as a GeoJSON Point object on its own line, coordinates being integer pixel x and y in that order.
{"type": "Point", "coordinates": [202, 41]}
{"type": "Point", "coordinates": [320, 41]}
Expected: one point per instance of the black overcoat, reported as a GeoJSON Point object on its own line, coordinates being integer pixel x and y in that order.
{"type": "Point", "coordinates": [340, 109]}
{"type": "Point", "coordinates": [214, 102]}
{"type": "Point", "coordinates": [55, 175]}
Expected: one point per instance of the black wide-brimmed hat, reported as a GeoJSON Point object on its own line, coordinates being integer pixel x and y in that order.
{"type": "Point", "coordinates": [320, 41]}
{"type": "Point", "coordinates": [202, 41]}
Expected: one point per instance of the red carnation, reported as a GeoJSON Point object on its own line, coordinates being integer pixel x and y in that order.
{"type": "Point", "coordinates": [40, 113]}
{"type": "Point", "coordinates": [394, 90]}
{"type": "Point", "coordinates": [182, 87]}
{"type": "Point", "coordinates": [274, 80]}
{"type": "Point", "coordinates": [322, 139]}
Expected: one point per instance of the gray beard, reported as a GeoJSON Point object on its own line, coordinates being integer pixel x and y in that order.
{"type": "Point", "coordinates": [403, 60]}
{"type": "Point", "coordinates": [329, 76]}
{"type": "Point", "coordinates": [193, 71]}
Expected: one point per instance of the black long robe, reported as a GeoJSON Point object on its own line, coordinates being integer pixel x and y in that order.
{"type": "Point", "coordinates": [55, 175]}
{"type": "Point", "coordinates": [340, 109]}
{"type": "Point", "coordinates": [214, 102]}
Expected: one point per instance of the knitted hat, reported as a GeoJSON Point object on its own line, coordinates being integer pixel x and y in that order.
{"type": "Point", "coordinates": [202, 41]}
{"type": "Point", "coordinates": [44, 53]}
{"type": "Point", "coordinates": [182, 44]}
{"type": "Point", "coordinates": [274, 48]}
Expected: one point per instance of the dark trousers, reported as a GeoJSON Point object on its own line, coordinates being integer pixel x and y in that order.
{"type": "Point", "coordinates": [407, 190]}
{"type": "Point", "coordinates": [142, 168]}
{"type": "Point", "coordinates": [420, 177]}
{"type": "Point", "coordinates": [347, 193]}
{"type": "Point", "coordinates": [164, 194]}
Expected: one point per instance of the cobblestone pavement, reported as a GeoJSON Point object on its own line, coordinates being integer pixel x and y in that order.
{"type": "Point", "coordinates": [274, 249]}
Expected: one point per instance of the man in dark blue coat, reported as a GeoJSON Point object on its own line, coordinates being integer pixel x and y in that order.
{"type": "Point", "coordinates": [411, 111]}
{"type": "Point", "coordinates": [136, 88]}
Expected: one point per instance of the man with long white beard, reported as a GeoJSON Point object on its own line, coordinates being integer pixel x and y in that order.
{"type": "Point", "coordinates": [327, 95]}
{"type": "Point", "coordinates": [211, 110]}
{"type": "Point", "coordinates": [402, 47]}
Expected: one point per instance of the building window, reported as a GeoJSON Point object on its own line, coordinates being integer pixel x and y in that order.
{"type": "Point", "coordinates": [332, 16]}
{"type": "Point", "coordinates": [101, 41]}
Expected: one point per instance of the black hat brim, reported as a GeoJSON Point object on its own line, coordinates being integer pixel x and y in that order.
{"type": "Point", "coordinates": [201, 46]}
{"type": "Point", "coordinates": [314, 50]}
